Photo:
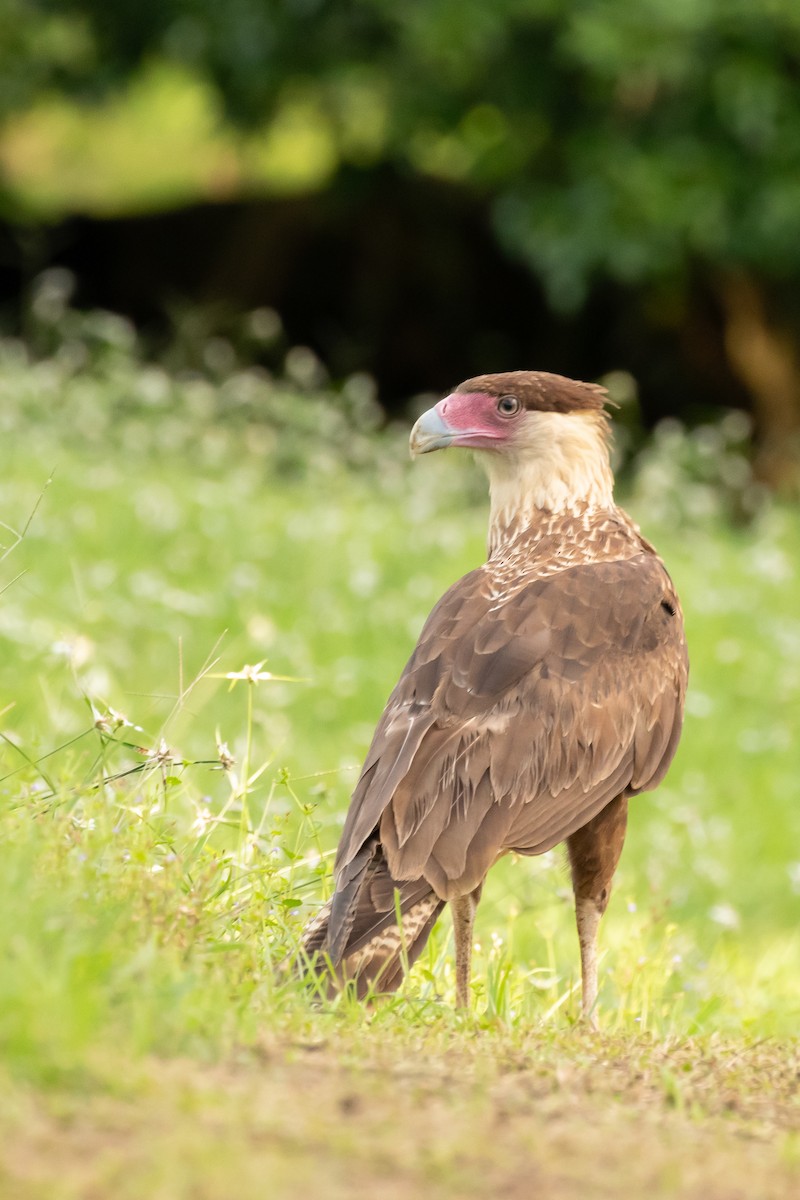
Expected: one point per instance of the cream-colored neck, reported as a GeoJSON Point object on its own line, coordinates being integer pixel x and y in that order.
{"type": "Point", "coordinates": [558, 465]}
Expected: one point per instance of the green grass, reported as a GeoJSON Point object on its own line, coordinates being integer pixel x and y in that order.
{"type": "Point", "coordinates": [152, 890]}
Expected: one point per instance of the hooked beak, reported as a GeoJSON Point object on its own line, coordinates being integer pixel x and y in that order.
{"type": "Point", "coordinates": [431, 432]}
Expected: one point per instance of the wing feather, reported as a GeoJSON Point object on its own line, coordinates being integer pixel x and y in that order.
{"type": "Point", "coordinates": [517, 720]}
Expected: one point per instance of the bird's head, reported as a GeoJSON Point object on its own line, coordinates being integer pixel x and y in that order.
{"type": "Point", "coordinates": [542, 438]}
{"type": "Point", "coordinates": [498, 412]}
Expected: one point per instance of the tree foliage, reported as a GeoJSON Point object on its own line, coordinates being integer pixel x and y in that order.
{"type": "Point", "coordinates": [643, 142]}
{"type": "Point", "coordinates": [616, 138]}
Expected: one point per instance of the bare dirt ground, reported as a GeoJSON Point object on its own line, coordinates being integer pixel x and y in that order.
{"type": "Point", "coordinates": [580, 1116]}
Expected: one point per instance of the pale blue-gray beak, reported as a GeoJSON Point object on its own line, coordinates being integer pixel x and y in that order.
{"type": "Point", "coordinates": [431, 432]}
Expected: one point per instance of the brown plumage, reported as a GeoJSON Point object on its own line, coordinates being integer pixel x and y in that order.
{"type": "Point", "coordinates": [546, 688]}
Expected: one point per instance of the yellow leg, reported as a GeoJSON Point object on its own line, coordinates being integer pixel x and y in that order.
{"type": "Point", "coordinates": [593, 855]}
{"type": "Point", "coordinates": [464, 909]}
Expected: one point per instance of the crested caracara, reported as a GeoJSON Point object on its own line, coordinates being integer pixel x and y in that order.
{"type": "Point", "coordinates": [546, 688]}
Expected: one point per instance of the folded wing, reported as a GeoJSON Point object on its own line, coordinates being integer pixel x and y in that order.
{"type": "Point", "coordinates": [519, 717]}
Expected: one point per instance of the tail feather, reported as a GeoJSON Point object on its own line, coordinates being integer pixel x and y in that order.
{"type": "Point", "coordinates": [357, 934]}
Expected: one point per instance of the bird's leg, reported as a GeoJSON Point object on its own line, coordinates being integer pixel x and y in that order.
{"type": "Point", "coordinates": [464, 909]}
{"type": "Point", "coordinates": [594, 853]}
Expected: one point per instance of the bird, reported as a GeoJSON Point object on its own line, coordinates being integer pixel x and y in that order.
{"type": "Point", "coordinates": [546, 689]}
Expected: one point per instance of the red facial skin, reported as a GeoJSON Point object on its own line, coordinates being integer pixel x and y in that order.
{"type": "Point", "coordinates": [475, 420]}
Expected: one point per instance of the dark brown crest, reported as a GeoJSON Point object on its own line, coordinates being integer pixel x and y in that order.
{"type": "Point", "coordinates": [540, 390]}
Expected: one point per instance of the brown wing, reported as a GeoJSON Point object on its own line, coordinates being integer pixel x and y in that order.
{"type": "Point", "coordinates": [516, 720]}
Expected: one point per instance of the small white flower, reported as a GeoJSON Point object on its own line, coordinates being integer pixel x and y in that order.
{"type": "Point", "coordinates": [227, 761]}
{"type": "Point", "coordinates": [160, 755]}
{"type": "Point", "coordinates": [250, 674]}
{"type": "Point", "coordinates": [76, 650]}
{"type": "Point", "coordinates": [120, 720]}
{"type": "Point", "coordinates": [725, 915]}
{"type": "Point", "coordinates": [111, 720]}
{"type": "Point", "coordinates": [202, 821]}
{"type": "Point", "coordinates": [255, 674]}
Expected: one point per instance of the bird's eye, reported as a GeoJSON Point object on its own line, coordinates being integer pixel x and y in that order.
{"type": "Point", "coordinates": [508, 406]}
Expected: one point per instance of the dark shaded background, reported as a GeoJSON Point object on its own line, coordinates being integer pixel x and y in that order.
{"type": "Point", "coordinates": [397, 276]}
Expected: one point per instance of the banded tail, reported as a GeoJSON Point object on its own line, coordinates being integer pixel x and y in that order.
{"type": "Point", "coordinates": [357, 936]}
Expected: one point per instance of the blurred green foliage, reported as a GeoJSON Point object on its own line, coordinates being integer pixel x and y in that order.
{"type": "Point", "coordinates": [42, 46]}
{"type": "Point", "coordinates": [615, 138]}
